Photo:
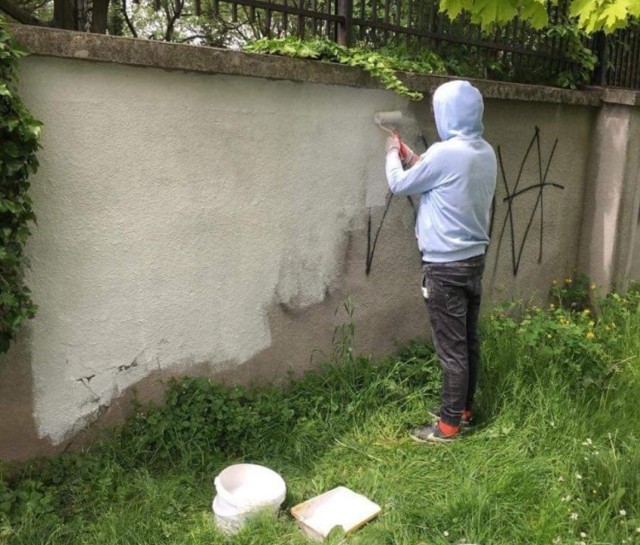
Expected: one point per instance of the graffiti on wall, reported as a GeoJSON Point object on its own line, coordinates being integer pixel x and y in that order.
{"type": "Point", "coordinates": [513, 191]}
{"type": "Point", "coordinates": [516, 191]}
{"type": "Point", "coordinates": [372, 238]}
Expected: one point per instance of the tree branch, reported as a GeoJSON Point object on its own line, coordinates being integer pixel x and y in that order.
{"type": "Point", "coordinates": [178, 6]}
{"type": "Point", "coordinates": [126, 18]}
{"type": "Point", "coordinates": [194, 37]}
{"type": "Point", "coordinates": [19, 14]}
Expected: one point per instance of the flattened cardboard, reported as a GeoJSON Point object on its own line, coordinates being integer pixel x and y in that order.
{"type": "Point", "coordinates": [338, 507]}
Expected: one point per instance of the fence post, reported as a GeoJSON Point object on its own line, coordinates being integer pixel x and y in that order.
{"type": "Point", "coordinates": [344, 34]}
{"type": "Point", "coordinates": [601, 49]}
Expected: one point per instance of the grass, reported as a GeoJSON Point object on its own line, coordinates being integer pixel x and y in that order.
{"type": "Point", "coordinates": [553, 460]}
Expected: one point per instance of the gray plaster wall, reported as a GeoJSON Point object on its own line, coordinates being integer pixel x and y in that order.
{"type": "Point", "coordinates": [635, 268]}
{"type": "Point", "coordinates": [612, 202]}
{"type": "Point", "coordinates": [212, 224]}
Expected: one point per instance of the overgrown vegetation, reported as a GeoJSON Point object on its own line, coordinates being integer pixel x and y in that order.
{"type": "Point", "coordinates": [381, 66]}
{"type": "Point", "coordinates": [461, 60]}
{"type": "Point", "coordinates": [553, 459]}
{"type": "Point", "coordinates": [93, 15]}
{"type": "Point", "coordinates": [19, 133]}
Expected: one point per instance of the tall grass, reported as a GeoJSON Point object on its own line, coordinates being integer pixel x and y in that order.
{"type": "Point", "coordinates": [554, 458]}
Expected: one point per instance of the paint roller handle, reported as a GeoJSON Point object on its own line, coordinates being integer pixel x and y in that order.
{"type": "Point", "coordinates": [393, 143]}
{"type": "Point", "coordinates": [402, 148]}
{"type": "Point", "coordinates": [406, 153]}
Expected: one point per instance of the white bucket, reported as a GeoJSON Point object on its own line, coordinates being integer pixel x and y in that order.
{"type": "Point", "coordinates": [228, 519]}
{"type": "Point", "coordinates": [244, 489]}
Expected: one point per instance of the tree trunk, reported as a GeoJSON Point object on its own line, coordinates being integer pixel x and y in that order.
{"type": "Point", "coordinates": [100, 16]}
{"type": "Point", "coordinates": [65, 14]}
{"type": "Point", "coordinates": [82, 15]}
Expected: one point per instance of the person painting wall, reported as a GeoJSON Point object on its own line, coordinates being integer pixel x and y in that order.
{"type": "Point", "coordinates": [456, 181]}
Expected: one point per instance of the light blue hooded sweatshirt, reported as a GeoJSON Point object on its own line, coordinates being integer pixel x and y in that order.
{"type": "Point", "coordinates": [455, 177]}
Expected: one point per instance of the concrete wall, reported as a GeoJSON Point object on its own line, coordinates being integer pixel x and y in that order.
{"type": "Point", "coordinates": [611, 221]}
{"type": "Point", "coordinates": [210, 222]}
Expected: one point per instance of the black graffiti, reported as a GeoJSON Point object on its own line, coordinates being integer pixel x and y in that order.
{"type": "Point", "coordinates": [513, 193]}
{"type": "Point", "coordinates": [372, 240]}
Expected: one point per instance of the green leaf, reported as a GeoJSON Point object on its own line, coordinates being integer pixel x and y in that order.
{"type": "Point", "coordinates": [614, 15]}
{"type": "Point", "coordinates": [589, 13]}
{"type": "Point", "coordinates": [488, 12]}
{"type": "Point", "coordinates": [536, 13]}
{"type": "Point", "coordinates": [453, 8]}
{"type": "Point", "coordinates": [583, 8]}
{"type": "Point", "coordinates": [35, 128]}
{"type": "Point", "coordinates": [11, 149]}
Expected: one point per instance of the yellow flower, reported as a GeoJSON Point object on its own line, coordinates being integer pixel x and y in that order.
{"type": "Point", "coordinates": [592, 287]}
{"type": "Point", "coordinates": [590, 335]}
{"type": "Point", "coordinates": [554, 282]}
{"type": "Point", "coordinates": [586, 311]}
{"type": "Point", "coordinates": [552, 306]}
{"type": "Point", "coordinates": [568, 280]}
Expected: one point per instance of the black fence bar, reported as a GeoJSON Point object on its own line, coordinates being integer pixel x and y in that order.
{"type": "Point", "coordinates": [515, 49]}
{"type": "Point", "coordinates": [635, 77]}
{"type": "Point", "coordinates": [632, 59]}
{"type": "Point", "coordinates": [293, 10]}
{"type": "Point", "coordinates": [345, 32]}
{"type": "Point", "coordinates": [452, 39]}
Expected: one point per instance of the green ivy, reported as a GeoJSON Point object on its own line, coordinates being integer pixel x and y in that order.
{"type": "Point", "coordinates": [379, 65]}
{"type": "Point", "coordinates": [582, 59]}
{"type": "Point", "coordinates": [19, 133]}
{"type": "Point", "coordinates": [461, 60]}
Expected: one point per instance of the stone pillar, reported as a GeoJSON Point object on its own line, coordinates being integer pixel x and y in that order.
{"type": "Point", "coordinates": [612, 196]}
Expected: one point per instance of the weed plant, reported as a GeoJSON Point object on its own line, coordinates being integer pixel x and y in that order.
{"type": "Point", "coordinates": [553, 459]}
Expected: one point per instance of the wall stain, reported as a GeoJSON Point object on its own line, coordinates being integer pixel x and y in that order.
{"type": "Point", "coordinates": [125, 367]}
{"type": "Point", "coordinates": [85, 382]}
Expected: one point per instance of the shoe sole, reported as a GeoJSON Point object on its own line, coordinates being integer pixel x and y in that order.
{"type": "Point", "coordinates": [431, 439]}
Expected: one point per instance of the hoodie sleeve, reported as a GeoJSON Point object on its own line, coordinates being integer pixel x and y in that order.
{"type": "Point", "coordinates": [418, 179]}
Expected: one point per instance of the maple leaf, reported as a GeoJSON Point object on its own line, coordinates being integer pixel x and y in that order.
{"type": "Point", "coordinates": [614, 15]}
{"type": "Point", "coordinates": [487, 12]}
{"type": "Point", "coordinates": [453, 7]}
{"type": "Point", "coordinates": [536, 13]}
{"type": "Point", "coordinates": [583, 9]}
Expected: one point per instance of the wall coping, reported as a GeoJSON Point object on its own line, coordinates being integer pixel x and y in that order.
{"type": "Point", "coordinates": [48, 42]}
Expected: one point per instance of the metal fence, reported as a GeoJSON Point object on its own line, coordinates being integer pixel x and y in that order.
{"type": "Point", "coordinates": [619, 58]}
{"type": "Point", "coordinates": [515, 51]}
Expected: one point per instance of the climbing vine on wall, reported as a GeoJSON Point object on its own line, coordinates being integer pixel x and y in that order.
{"type": "Point", "coordinates": [379, 65]}
{"type": "Point", "coordinates": [19, 134]}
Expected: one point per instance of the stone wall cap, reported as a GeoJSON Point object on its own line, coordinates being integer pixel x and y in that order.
{"type": "Point", "coordinates": [48, 42]}
{"type": "Point", "coordinates": [626, 97]}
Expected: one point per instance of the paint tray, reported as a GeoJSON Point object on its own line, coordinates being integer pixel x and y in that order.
{"type": "Point", "coordinates": [337, 507]}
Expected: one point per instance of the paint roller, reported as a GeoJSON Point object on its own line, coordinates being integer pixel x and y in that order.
{"type": "Point", "coordinates": [393, 119]}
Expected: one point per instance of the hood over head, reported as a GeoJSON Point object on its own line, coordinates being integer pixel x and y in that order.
{"type": "Point", "coordinates": [458, 108]}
